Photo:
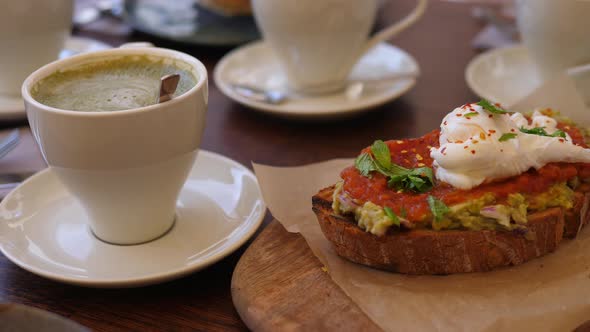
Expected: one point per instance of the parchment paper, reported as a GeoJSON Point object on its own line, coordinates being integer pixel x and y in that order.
{"type": "Point", "coordinates": [551, 293]}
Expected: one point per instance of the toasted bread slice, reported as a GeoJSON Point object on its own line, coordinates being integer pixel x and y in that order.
{"type": "Point", "coordinates": [424, 251]}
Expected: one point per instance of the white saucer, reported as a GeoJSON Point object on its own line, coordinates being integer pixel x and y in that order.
{"type": "Point", "coordinates": [255, 64]}
{"type": "Point", "coordinates": [13, 108]}
{"type": "Point", "coordinates": [43, 229]}
{"type": "Point", "coordinates": [502, 75]}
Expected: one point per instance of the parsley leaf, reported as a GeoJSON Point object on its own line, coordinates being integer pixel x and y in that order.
{"type": "Point", "coordinates": [491, 107]}
{"type": "Point", "coordinates": [541, 132]}
{"type": "Point", "coordinates": [507, 136]}
{"type": "Point", "coordinates": [364, 163]}
{"type": "Point", "coordinates": [381, 152]}
{"type": "Point", "coordinates": [438, 208]}
{"type": "Point", "coordinates": [470, 114]}
{"type": "Point", "coordinates": [389, 213]}
{"type": "Point", "coordinates": [413, 179]}
{"type": "Point", "coordinates": [417, 179]}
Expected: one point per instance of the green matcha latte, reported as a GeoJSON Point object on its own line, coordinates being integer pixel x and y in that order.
{"type": "Point", "coordinates": [112, 85]}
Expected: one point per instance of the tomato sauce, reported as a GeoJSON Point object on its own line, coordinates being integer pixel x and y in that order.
{"type": "Point", "coordinates": [412, 153]}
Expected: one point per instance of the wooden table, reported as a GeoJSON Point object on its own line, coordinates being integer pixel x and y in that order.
{"type": "Point", "coordinates": [441, 44]}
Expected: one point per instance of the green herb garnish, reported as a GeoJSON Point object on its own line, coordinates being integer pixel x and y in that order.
{"type": "Point", "coordinates": [389, 213]}
{"type": "Point", "coordinates": [381, 153]}
{"type": "Point", "coordinates": [364, 163]}
{"type": "Point", "coordinates": [401, 178]}
{"type": "Point", "coordinates": [470, 114]}
{"type": "Point", "coordinates": [541, 132]}
{"type": "Point", "coordinates": [438, 208]}
{"type": "Point", "coordinates": [491, 107]}
{"type": "Point", "coordinates": [507, 136]}
{"type": "Point", "coordinates": [417, 179]}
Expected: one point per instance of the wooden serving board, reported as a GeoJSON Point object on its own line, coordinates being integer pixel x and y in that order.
{"type": "Point", "coordinates": [280, 285]}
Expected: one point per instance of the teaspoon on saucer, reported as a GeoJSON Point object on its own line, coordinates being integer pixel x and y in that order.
{"type": "Point", "coordinates": [274, 97]}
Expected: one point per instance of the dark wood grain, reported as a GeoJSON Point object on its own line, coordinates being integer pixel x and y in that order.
{"type": "Point", "coordinates": [441, 44]}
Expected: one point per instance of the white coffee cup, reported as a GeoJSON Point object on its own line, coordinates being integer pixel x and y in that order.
{"type": "Point", "coordinates": [555, 33]}
{"type": "Point", "coordinates": [126, 168]}
{"type": "Point", "coordinates": [32, 33]}
{"type": "Point", "coordinates": [318, 42]}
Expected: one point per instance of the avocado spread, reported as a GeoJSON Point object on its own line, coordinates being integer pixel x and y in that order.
{"type": "Point", "coordinates": [483, 213]}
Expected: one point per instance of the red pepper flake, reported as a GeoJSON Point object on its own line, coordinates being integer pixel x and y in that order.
{"type": "Point", "coordinates": [561, 140]}
{"type": "Point", "coordinates": [501, 150]}
{"type": "Point", "coordinates": [465, 147]}
{"type": "Point", "coordinates": [443, 150]}
{"type": "Point", "coordinates": [459, 114]}
{"type": "Point", "coordinates": [459, 141]}
{"type": "Point", "coordinates": [498, 105]}
{"type": "Point", "coordinates": [491, 131]}
{"type": "Point", "coordinates": [472, 151]}
{"type": "Point", "coordinates": [490, 116]}
{"type": "Point", "coordinates": [512, 130]}
{"type": "Point", "coordinates": [445, 123]}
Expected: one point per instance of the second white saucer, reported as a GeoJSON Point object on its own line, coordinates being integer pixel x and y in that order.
{"type": "Point", "coordinates": [43, 229]}
{"type": "Point", "coordinates": [502, 75]}
{"type": "Point", "coordinates": [254, 64]}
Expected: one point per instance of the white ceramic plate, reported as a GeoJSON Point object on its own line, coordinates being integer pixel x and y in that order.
{"type": "Point", "coordinates": [502, 75]}
{"type": "Point", "coordinates": [254, 64]}
{"type": "Point", "coordinates": [13, 108]}
{"type": "Point", "coordinates": [43, 229]}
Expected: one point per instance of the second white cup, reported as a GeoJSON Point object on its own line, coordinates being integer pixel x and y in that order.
{"type": "Point", "coordinates": [318, 42]}
{"type": "Point", "coordinates": [555, 33]}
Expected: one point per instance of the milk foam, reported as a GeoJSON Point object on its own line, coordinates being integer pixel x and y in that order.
{"type": "Point", "coordinates": [124, 83]}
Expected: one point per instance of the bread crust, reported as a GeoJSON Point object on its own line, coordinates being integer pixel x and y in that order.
{"type": "Point", "coordinates": [422, 251]}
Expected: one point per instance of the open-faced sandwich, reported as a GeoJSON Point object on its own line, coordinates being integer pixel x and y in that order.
{"type": "Point", "coordinates": [491, 188]}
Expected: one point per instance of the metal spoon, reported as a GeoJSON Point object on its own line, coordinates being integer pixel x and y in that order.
{"type": "Point", "coordinates": [168, 85]}
{"type": "Point", "coordinates": [258, 94]}
{"type": "Point", "coordinates": [274, 97]}
{"type": "Point", "coordinates": [9, 143]}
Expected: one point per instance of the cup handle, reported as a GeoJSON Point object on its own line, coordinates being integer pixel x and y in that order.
{"type": "Point", "coordinates": [396, 28]}
{"type": "Point", "coordinates": [137, 45]}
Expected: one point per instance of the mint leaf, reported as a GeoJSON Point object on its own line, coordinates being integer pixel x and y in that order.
{"type": "Point", "coordinates": [437, 207]}
{"type": "Point", "coordinates": [416, 179]}
{"type": "Point", "coordinates": [558, 133]}
{"type": "Point", "coordinates": [541, 132]}
{"type": "Point", "coordinates": [507, 136]}
{"type": "Point", "coordinates": [381, 152]}
{"type": "Point", "coordinates": [491, 107]}
{"type": "Point", "coordinates": [389, 213]}
{"type": "Point", "coordinates": [470, 114]}
{"type": "Point", "coordinates": [364, 163]}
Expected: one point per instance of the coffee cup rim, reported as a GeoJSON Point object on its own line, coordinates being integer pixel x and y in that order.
{"type": "Point", "coordinates": [52, 67]}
